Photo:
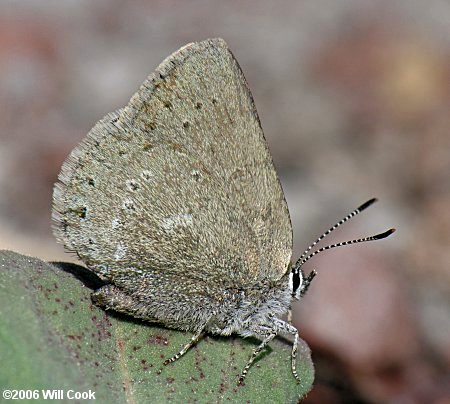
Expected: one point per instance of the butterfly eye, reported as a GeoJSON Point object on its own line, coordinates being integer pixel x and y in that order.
{"type": "Point", "coordinates": [295, 283]}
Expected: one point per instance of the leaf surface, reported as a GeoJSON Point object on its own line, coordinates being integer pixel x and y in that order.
{"type": "Point", "coordinates": [53, 337]}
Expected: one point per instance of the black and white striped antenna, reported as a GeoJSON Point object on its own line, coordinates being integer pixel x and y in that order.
{"type": "Point", "coordinates": [305, 256]}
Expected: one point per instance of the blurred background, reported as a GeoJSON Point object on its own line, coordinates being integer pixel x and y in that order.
{"type": "Point", "coordinates": [353, 96]}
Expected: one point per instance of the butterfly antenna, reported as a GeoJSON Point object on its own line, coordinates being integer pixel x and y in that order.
{"type": "Point", "coordinates": [352, 214]}
{"type": "Point", "coordinates": [379, 236]}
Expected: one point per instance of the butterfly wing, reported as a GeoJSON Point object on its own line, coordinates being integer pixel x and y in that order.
{"type": "Point", "coordinates": [180, 181]}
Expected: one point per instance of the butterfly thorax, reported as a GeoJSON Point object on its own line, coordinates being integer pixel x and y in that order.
{"type": "Point", "coordinates": [251, 311]}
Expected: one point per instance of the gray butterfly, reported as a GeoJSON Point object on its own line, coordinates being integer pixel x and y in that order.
{"type": "Point", "coordinates": [175, 203]}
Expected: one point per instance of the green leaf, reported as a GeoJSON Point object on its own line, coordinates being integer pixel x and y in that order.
{"type": "Point", "coordinates": [53, 337]}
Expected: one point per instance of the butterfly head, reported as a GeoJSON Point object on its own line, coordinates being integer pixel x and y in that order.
{"type": "Point", "coordinates": [298, 282]}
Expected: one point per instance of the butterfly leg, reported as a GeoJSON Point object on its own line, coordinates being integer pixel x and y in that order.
{"type": "Point", "coordinates": [255, 353]}
{"type": "Point", "coordinates": [195, 338]}
{"type": "Point", "coordinates": [294, 357]}
{"type": "Point", "coordinates": [284, 327]}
